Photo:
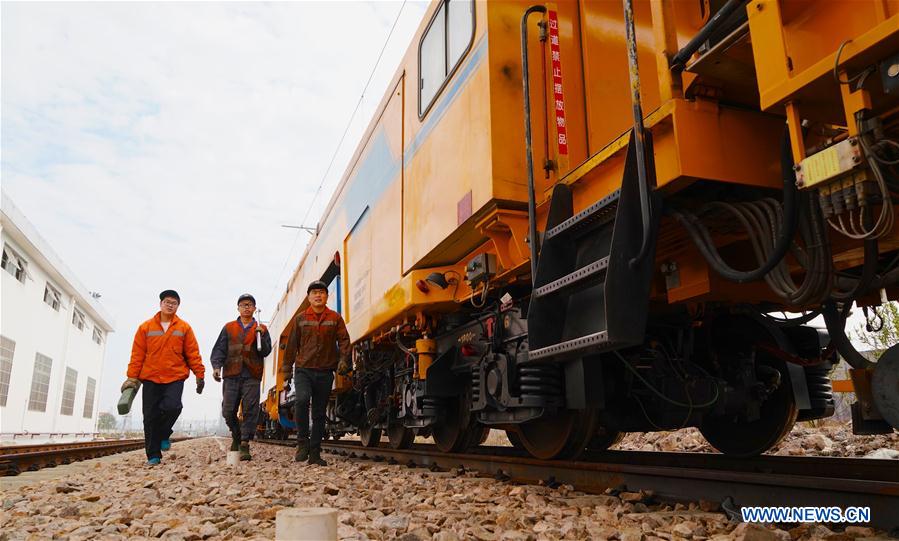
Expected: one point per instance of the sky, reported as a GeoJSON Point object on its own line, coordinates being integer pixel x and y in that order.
{"type": "Point", "coordinates": [162, 145]}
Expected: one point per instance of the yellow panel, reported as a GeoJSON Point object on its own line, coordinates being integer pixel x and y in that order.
{"type": "Point", "coordinates": [811, 32]}
{"type": "Point", "coordinates": [386, 246]}
{"type": "Point", "coordinates": [448, 156]}
{"type": "Point", "coordinates": [506, 101]}
{"type": "Point", "coordinates": [728, 145]}
{"type": "Point", "coordinates": [795, 42]}
{"type": "Point", "coordinates": [609, 111]}
{"type": "Point", "coordinates": [357, 265]}
{"type": "Point", "coordinates": [387, 211]}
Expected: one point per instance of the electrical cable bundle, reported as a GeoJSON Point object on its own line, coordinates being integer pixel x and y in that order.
{"type": "Point", "coordinates": [763, 221]}
{"type": "Point", "coordinates": [787, 230]}
{"type": "Point", "coordinates": [857, 225]}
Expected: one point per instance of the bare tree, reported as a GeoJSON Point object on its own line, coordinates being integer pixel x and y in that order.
{"type": "Point", "coordinates": [106, 421]}
{"type": "Point", "coordinates": [882, 328]}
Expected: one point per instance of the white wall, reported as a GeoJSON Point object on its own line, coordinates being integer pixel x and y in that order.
{"type": "Point", "coordinates": [36, 328]}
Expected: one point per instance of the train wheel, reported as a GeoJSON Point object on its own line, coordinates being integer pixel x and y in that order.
{"type": "Point", "coordinates": [370, 436]}
{"type": "Point", "coordinates": [883, 386]}
{"type": "Point", "coordinates": [515, 440]}
{"type": "Point", "coordinates": [735, 437]}
{"type": "Point", "coordinates": [563, 434]}
{"type": "Point", "coordinates": [485, 433]}
{"type": "Point", "coordinates": [399, 436]}
{"type": "Point", "coordinates": [456, 431]}
{"type": "Point", "coordinates": [604, 438]}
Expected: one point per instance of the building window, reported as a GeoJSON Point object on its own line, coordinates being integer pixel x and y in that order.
{"type": "Point", "coordinates": [51, 297]}
{"type": "Point", "coordinates": [68, 392]}
{"type": "Point", "coordinates": [98, 335]}
{"type": "Point", "coordinates": [78, 319]}
{"type": "Point", "coordinates": [7, 348]}
{"type": "Point", "coordinates": [89, 398]}
{"type": "Point", "coordinates": [14, 264]}
{"type": "Point", "coordinates": [448, 36]}
{"type": "Point", "coordinates": [40, 383]}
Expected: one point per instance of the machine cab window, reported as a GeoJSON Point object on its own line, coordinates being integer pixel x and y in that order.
{"type": "Point", "coordinates": [446, 40]}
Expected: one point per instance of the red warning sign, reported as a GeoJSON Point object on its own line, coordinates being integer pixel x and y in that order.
{"type": "Point", "coordinates": [558, 98]}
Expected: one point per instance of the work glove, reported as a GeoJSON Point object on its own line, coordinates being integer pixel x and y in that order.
{"type": "Point", "coordinates": [130, 383]}
{"type": "Point", "coordinates": [343, 368]}
{"type": "Point", "coordinates": [287, 385]}
{"type": "Point", "coordinates": [200, 384]}
{"type": "Point", "coordinates": [217, 374]}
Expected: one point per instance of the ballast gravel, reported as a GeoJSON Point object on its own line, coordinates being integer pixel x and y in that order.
{"type": "Point", "coordinates": [193, 495]}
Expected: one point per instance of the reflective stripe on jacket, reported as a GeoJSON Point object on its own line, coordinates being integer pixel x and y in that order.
{"type": "Point", "coordinates": [164, 356]}
{"type": "Point", "coordinates": [236, 348]}
{"type": "Point", "coordinates": [317, 341]}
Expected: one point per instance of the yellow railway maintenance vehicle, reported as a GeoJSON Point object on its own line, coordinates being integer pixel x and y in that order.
{"type": "Point", "coordinates": [574, 220]}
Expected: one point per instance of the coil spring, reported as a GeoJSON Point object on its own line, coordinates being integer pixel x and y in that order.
{"type": "Point", "coordinates": [475, 384]}
{"type": "Point", "coordinates": [536, 381]}
{"type": "Point", "coordinates": [427, 402]}
{"type": "Point", "coordinates": [820, 390]}
{"type": "Point", "coordinates": [428, 406]}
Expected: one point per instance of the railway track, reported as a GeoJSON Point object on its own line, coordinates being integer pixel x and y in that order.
{"type": "Point", "coordinates": [676, 477]}
{"type": "Point", "coordinates": [16, 459]}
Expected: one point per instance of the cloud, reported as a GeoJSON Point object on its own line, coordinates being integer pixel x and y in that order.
{"type": "Point", "coordinates": [159, 145]}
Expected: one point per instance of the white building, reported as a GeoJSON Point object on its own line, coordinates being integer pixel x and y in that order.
{"type": "Point", "coordinates": [53, 336]}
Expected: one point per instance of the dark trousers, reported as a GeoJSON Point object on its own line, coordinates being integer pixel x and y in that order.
{"type": "Point", "coordinates": [162, 406]}
{"type": "Point", "coordinates": [314, 385]}
{"type": "Point", "coordinates": [243, 392]}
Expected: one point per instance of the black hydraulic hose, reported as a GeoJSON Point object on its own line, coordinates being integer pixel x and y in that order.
{"type": "Point", "coordinates": [702, 238]}
{"type": "Point", "coordinates": [889, 278]}
{"type": "Point", "coordinates": [525, 83]}
{"type": "Point", "coordinates": [869, 272]}
{"type": "Point", "coordinates": [403, 348]}
{"type": "Point", "coordinates": [836, 328]}
{"type": "Point", "coordinates": [639, 134]}
{"type": "Point", "coordinates": [679, 61]}
{"type": "Point", "coordinates": [788, 322]}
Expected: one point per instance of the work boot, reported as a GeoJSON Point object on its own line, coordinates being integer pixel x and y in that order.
{"type": "Point", "coordinates": [235, 442]}
{"type": "Point", "coordinates": [245, 451]}
{"type": "Point", "coordinates": [315, 457]}
{"type": "Point", "coordinates": [302, 451]}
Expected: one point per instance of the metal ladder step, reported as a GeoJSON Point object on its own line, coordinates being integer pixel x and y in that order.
{"type": "Point", "coordinates": [598, 213]}
{"type": "Point", "coordinates": [570, 346]}
{"type": "Point", "coordinates": [581, 276]}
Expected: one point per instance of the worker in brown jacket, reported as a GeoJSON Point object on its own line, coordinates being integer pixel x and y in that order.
{"type": "Point", "coordinates": [319, 343]}
{"type": "Point", "coordinates": [164, 353]}
{"type": "Point", "coordinates": [238, 356]}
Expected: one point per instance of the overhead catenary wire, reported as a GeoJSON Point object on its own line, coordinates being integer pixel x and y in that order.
{"type": "Point", "coordinates": [337, 149]}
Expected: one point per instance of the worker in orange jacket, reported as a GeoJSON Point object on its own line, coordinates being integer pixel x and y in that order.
{"type": "Point", "coordinates": [164, 353]}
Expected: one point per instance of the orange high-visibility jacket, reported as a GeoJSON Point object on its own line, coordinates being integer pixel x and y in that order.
{"type": "Point", "coordinates": [165, 356]}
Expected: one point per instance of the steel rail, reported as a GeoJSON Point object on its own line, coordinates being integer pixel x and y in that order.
{"type": "Point", "coordinates": [16, 459]}
{"type": "Point", "coordinates": [676, 477]}
{"type": "Point", "coordinates": [18, 449]}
